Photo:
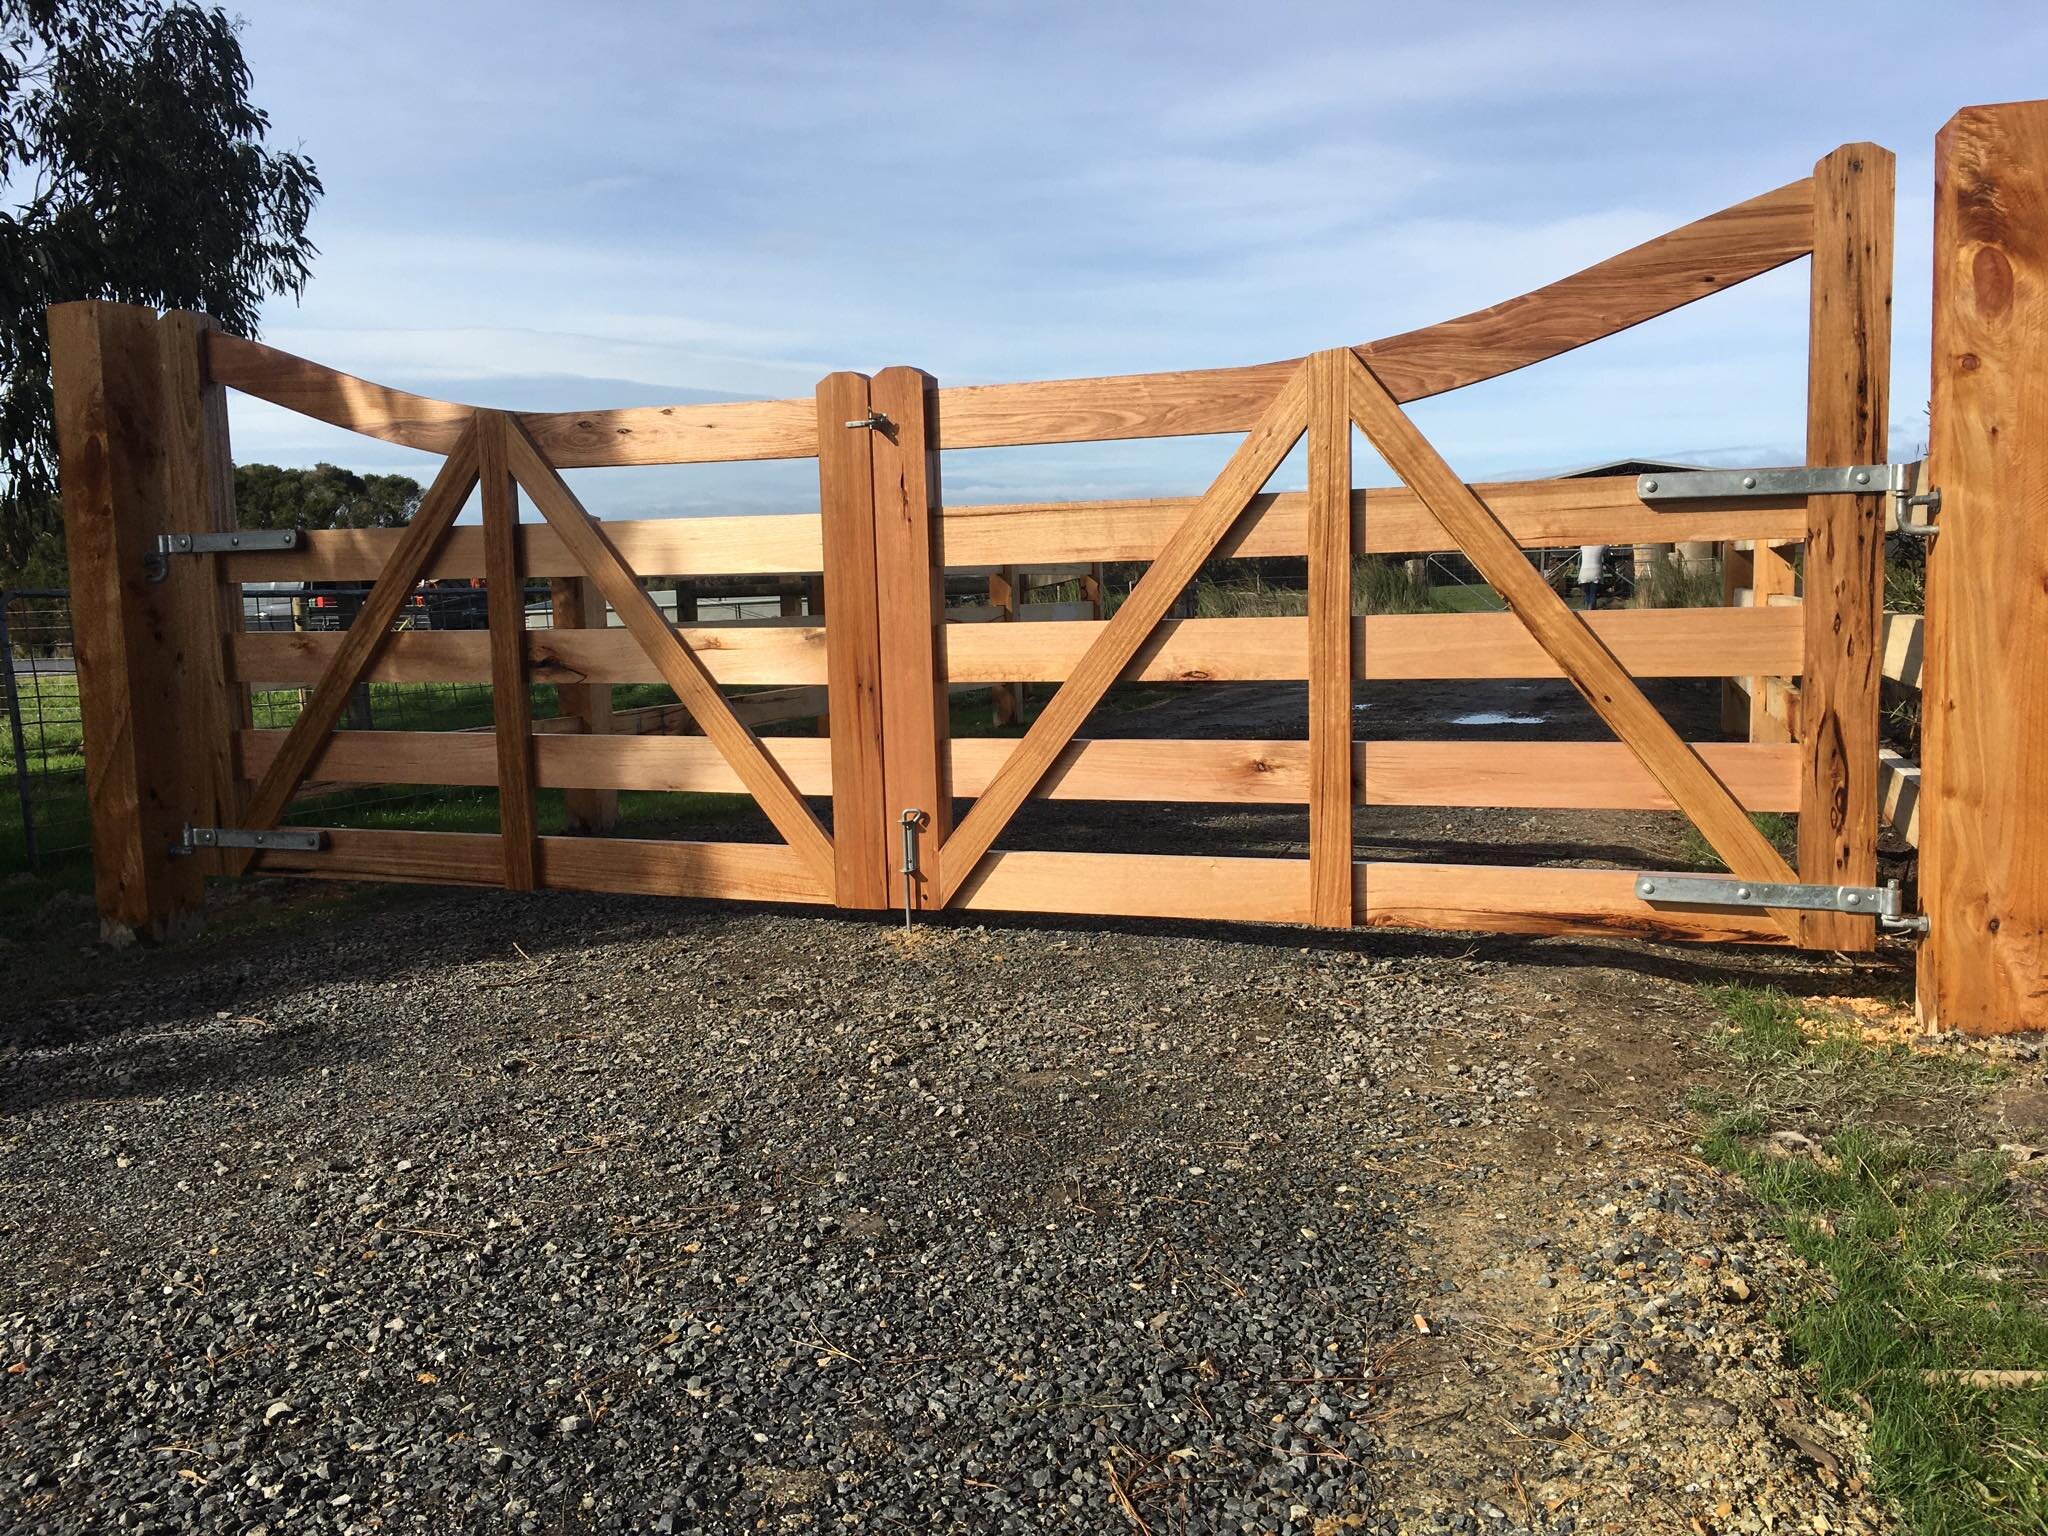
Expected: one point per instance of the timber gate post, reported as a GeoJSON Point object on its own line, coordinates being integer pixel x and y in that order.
{"type": "Point", "coordinates": [1984, 731]}
{"type": "Point", "coordinates": [143, 451]}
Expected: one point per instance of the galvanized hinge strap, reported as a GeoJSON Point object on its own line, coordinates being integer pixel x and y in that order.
{"type": "Point", "coordinates": [281, 839]}
{"type": "Point", "coordinates": [1802, 480]}
{"type": "Point", "coordinates": [1886, 903]}
{"type": "Point", "coordinates": [238, 541]}
{"type": "Point", "coordinates": [232, 542]}
{"type": "Point", "coordinates": [1898, 481]}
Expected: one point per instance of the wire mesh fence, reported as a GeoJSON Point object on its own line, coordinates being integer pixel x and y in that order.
{"type": "Point", "coordinates": [41, 754]}
{"type": "Point", "coordinates": [42, 761]}
{"type": "Point", "coordinates": [46, 820]}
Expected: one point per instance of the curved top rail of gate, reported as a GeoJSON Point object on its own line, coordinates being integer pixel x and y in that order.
{"type": "Point", "coordinates": [1701, 258]}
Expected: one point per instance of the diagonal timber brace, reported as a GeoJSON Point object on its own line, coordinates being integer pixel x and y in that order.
{"type": "Point", "coordinates": [364, 638]}
{"type": "Point", "coordinates": [1268, 442]}
{"type": "Point", "coordinates": [1567, 639]}
{"type": "Point", "coordinates": [588, 545]}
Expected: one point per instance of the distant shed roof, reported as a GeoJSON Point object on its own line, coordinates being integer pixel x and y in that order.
{"type": "Point", "coordinates": [1625, 467]}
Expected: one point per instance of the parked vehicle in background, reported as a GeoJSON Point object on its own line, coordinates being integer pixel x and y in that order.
{"type": "Point", "coordinates": [455, 604]}
{"type": "Point", "coordinates": [332, 605]}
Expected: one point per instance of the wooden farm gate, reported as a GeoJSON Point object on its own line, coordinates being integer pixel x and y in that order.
{"type": "Point", "coordinates": [166, 669]}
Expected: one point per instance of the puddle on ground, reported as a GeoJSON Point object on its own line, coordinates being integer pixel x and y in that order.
{"type": "Point", "coordinates": [1494, 717]}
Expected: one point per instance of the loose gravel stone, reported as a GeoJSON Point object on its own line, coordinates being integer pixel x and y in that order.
{"type": "Point", "coordinates": [584, 1213]}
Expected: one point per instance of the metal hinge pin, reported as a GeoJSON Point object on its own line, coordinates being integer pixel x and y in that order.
{"type": "Point", "coordinates": [912, 822]}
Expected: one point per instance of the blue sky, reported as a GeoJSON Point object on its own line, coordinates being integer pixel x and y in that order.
{"type": "Point", "coordinates": [546, 206]}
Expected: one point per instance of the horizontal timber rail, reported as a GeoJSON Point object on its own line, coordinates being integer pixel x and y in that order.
{"type": "Point", "coordinates": [1674, 642]}
{"type": "Point", "coordinates": [1538, 513]}
{"type": "Point", "coordinates": [1539, 775]}
{"type": "Point", "coordinates": [1654, 278]}
{"type": "Point", "coordinates": [1473, 897]}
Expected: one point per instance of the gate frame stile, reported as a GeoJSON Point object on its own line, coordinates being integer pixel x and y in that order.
{"type": "Point", "coordinates": [910, 600]}
{"type": "Point", "coordinates": [1842, 590]}
{"type": "Point", "coordinates": [1332, 884]}
{"type": "Point", "coordinates": [505, 612]}
{"type": "Point", "coordinates": [853, 650]}
{"type": "Point", "coordinates": [199, 497]}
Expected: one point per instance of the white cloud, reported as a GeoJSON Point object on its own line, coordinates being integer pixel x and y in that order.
{"type": "Point", "coordinates": [526, 201]}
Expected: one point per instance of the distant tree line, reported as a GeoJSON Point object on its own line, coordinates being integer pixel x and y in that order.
{"type": "Point", "coordinates": [133, 167]}
{"type": "Point", "coordinates": [325, 496]}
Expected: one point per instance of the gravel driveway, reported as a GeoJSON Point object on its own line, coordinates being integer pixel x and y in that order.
{"type": "Point", "coordinates": [446, 1211]}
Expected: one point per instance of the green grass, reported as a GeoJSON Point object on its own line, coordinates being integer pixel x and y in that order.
{"type": "Point", "coordinates": [1476, 597]}
{"type": "Point", "coordinates": [1905, 575]}
{"type": "Point", "coordinates": [1931, 1270]}
{"type": "Point", "coordinates": [1764, 1029]}
{"type": "Point", "coordinates": [1780, 830]}
{"type": "Point", "coordinates": [1677, 583]}
{"type": "Point", "coordinates": [1377, 586]}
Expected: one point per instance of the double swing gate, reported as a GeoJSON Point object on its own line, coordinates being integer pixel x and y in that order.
{"type": "Point", "coordinates": [183, 786]}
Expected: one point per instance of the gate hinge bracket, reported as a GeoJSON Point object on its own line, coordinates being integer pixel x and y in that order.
{"type": "Point", "coordinates": [1898, 481]}
{"type": "Point", "coordinates": [1886, 903]}
{"type": "Point", "coordinates": [157, 564]}
{"type": "Point", "coordinates": [284, 839]}
{"type": "Point", "coordinates": [1906, 494]}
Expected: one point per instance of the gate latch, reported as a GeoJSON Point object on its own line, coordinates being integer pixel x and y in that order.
{"type": "Point", "coordinates": [873, 421]}
{"type": "Point", "coordinates": [913, 822]}
{"type": "Point", "coordinates": [1886, 903]}
{"type": "Point", "coordinates": [280, 839]}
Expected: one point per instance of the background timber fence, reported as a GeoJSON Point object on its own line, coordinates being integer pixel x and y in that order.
{"type": "Point", "coordinates": [42, 763]}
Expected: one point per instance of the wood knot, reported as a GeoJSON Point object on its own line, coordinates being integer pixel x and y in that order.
{"type": "Point", "coordinates": [1991, 278]}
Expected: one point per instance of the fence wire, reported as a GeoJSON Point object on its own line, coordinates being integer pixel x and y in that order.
{"type": "Point", "coordinates": [42, 753]}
